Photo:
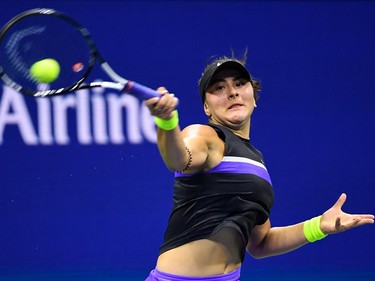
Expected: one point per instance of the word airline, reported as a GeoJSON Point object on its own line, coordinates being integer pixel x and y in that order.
{"type": "Point", "coordinates": [86, 116]}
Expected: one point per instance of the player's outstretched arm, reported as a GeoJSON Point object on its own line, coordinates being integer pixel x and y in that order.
{"type": "Point", "coordinates": [269, 241]}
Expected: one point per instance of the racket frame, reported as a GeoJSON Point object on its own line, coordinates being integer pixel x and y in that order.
{"type": "Point", "coordinates": [119, 84]}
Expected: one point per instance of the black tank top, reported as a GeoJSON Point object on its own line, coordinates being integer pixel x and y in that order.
{"type": "Point", "coordinates": [237, 193]}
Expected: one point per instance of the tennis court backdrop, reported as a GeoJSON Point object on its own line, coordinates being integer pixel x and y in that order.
{"type": "Point", "coordinates": [87, 201]}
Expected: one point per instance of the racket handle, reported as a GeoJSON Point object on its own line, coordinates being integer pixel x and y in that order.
{"type": "Point", "coordinates": [140, 91]}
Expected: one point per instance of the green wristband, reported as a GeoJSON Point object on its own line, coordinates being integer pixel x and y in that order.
{"type": "Point", "coordinates": [312, 231]}
{"type": "Point", "coordinates": [169, 124]}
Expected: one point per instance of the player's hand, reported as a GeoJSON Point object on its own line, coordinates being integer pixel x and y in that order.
{"type": "Point", "coordinates": [164, 105]}
{"type": "Point", "coordinates": [334, 220]}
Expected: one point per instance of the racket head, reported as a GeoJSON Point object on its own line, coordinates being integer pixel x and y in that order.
{"type": "Point", "coordinates": [39, 34]}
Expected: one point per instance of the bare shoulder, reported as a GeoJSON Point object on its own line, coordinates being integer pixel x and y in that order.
{"type": "Point", "coordinates": [199, 130]}
{"type": "Point", "coordinates": [203, 133]}
{"type": "Point", "coordinates": [204, 143]}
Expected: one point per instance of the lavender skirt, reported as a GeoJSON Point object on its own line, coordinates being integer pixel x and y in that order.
{"type": "Point", "coordinates": [156, 275]}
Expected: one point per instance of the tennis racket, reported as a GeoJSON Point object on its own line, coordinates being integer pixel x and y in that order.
{"type": "Point", "coordinates": [40, 34]}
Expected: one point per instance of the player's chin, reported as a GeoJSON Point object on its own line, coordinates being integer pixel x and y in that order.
{"type": "Point", "coordinates": [239, 119]}
{"type": "Point", "coordinates": [239, 114]}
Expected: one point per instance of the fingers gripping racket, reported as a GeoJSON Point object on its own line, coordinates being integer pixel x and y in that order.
{"type": "Point", "coordinates": [45, 53]}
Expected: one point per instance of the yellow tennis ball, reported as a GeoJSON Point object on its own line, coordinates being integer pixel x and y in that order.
{"type": "Point", "coordinates": [45, 71]}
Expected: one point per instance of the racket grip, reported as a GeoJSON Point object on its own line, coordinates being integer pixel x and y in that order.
{"type": "Point", "coordinates": [140, 91]}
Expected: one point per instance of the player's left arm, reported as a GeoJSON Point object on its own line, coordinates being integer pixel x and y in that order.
{"type": "Point", "coordinates": [270, 241]}
{"type": "Point", "coordinates": [267, 241]}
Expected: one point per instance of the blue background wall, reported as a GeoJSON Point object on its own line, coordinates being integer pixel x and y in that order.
{"type": "Point", "coordinates": [98, 210]}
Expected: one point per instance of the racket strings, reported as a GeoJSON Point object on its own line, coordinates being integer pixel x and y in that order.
{"type": "Point", "coordinates": [12, 51]}
{"type": "Point", "coordinates": [37, 37]}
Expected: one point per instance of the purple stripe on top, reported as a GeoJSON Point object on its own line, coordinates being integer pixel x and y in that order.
{"type": "Point", "coordinates": [237, 165]}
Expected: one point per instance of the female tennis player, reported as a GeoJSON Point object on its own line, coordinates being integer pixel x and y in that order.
{"type": "Point", "coordinates": [222, 190]}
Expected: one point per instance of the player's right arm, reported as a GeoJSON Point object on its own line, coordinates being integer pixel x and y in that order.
{"type": "Point", "coordinates": [186, 150]}
{"type": "Point", "coordinates": [193, 149]}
